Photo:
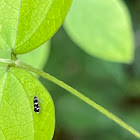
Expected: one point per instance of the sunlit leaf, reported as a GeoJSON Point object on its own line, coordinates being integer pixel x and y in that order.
{"type": "Point", "coordinates": [27, 24]}
{"type": "Point", "coordinates": [17, 117]}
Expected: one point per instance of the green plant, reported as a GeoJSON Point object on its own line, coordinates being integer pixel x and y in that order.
{"type": "Point", "coordinates": [31, 24]}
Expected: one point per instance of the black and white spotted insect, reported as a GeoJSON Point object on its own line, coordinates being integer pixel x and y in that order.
{"type": "Point", "coordinates": [36, 105]}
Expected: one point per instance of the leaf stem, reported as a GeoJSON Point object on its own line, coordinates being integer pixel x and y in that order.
{"type": "Point", "coordinates": [7, 61]}
{"type": "Point", "coordinates": [79, 95]}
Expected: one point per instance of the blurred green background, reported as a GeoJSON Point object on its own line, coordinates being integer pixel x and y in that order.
{"type": "Point", "coordinates": [115, 86]}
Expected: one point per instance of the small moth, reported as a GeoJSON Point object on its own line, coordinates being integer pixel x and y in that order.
{"type": "Point", "coordinates": [36, 105]}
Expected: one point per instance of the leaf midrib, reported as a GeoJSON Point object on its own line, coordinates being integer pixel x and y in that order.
{"type": "Point", "coordinates": [14, 42]}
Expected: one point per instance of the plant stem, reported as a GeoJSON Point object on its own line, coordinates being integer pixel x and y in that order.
{"type": "Point", "coordinates": [77, 94]}
{"type": "Point", "coordinates": [7, 61]}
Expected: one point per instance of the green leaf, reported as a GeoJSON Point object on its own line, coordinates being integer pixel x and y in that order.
{"type": "Point", "coordinates": [102, 29]}
{"type": "Point", "coordinates": [26, 24]}
{"type": "Point", "coordinates": [4, 55]}
{"type": "Point", "coordinates": [8, 23]}
{"type": "Point", "coordinates": [38, 57]}
{"type": "Point", "coordinates": [17, 117]}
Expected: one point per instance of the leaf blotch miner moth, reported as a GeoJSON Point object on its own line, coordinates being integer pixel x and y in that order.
{"type": "Point", "coordinates": [36, 105]}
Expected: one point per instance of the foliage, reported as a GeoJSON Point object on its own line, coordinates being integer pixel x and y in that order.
{"type": "Point", "coordinates": [101, 29]}
{"type": "Point", "coordinates": [94, 27]}
{"type": "Point", "coordinates": [25, 25]}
